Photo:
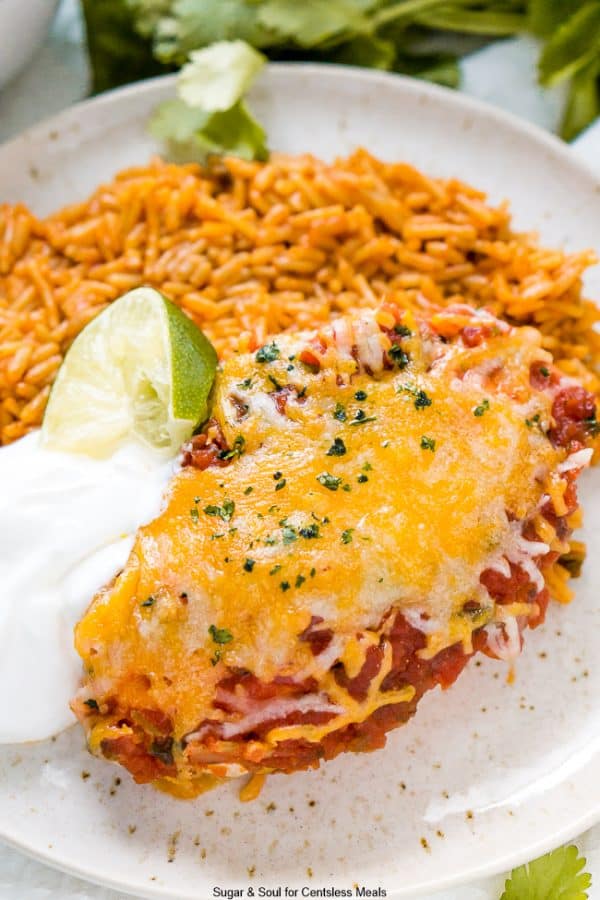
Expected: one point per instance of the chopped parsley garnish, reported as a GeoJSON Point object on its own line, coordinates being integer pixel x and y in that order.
{"type": "Point", "coordinates": [215, 658]}
{"type": "Point", "coordinates": [402, 330]}
{"type": "Point", "coordinates": [347, 536]}
{"type": "Point", "coordinates": [339, 412]}
{"type": "Point", "coordinates": [91, 703]}
{"type": "Point", "coordinates": [246, 384]}
{"type": "Point", "coordinates": [289, 534]}
{"type": "Point", "coordinates": [398, 356]}
{"type": "Point", "coordinates": [249, 564]}
{"type": "Point", "coordinates": [346, 487]}
{"type": "Point", "coordinates": [224, 512]}
{"type": "Point", "coordinates": [275, 569]}
{"type": "Point", "coordinates": [309, 531]}
{"type": "Point", "coordinates": [194, 513]}
{"type": "Point", "coordinates": [331, 482]}
{"type": "Point", "coordinates": [149, 601]}
{"type": "Point", "coordinates": [239, 445]}
{"type": "Point", "coordinates": [427, 443]}
{"type": "Point", "coordinates": [275, 383]}
{"type": "Point", "coordinates": [592, 425]}
{"type": "Point", "coordinates": [268, 353]}
{"type": "Point", "coordinates": [367, 467]}
{"type": "Point", "coordinates": [421, 399]}
{"type": "Point", "coordinates": [280, 484]}
{"type": "Point", "coordinates": [284, 585]}
{"type": "Point", "coordinates": [277, 475]}
{"type": "Point", "coordinates": [220, 635]}
{"type": "Point", "coordinates": [300, 579]}
{"type": "Point", "coordinates": [482, 408]}
{"type": "Point", "coordinates": [535, 421]}
{"type": "Point", "coordinates": [313, 572]}
{"type": "Point", "coordinates": [544, 371]}
{"type": "Point", "coordinates": [362, 478]}
{"type": "Point", "coordinates": [216, 537]}
{"type": "Point", "coordinates": [248, 490]}
{"type": "Point", "coordinates": [360, 395]}
{"type": "Point", "coordinates": [338, 448]}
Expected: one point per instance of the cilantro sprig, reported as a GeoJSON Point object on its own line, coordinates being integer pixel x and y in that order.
{"type": "Point", "coordinates": [131, 39]}
{"type": "Point", "coordinates": [209, 114]}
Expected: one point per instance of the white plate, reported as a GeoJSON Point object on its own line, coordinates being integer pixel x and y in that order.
{"type": "Point", "coordinates": [488, 774]}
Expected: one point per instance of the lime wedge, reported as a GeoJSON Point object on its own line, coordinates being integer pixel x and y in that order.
{"type": "Point", "coordinates": [140, 370]}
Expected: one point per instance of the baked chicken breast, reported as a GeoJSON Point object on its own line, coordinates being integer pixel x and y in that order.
{"type": "Point", "coordinates": [368, 507]}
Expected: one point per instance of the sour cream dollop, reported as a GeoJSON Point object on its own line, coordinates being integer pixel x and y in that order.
{"type": "Point", "coordinates": [67, 525]}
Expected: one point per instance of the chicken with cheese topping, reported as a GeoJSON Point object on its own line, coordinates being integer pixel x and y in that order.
{"type": "Point", "coordinates": [367, 508]}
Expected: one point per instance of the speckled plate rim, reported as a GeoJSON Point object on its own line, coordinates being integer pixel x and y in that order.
{"type": "Point", "coordinates": [77, 115]}
{"type": "Point", "coordinates": [500, 864]}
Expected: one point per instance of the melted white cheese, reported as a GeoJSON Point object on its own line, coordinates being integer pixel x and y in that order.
{"type": "Point", "coordinates": [67, 524]}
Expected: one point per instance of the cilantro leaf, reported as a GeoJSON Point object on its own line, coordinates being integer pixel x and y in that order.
{"type": "Point", "coordinates": [474, 21]}
{"type": "Point", "coordinates": [209, 115]}
{"type": "Point", "coordinates": [555, 876]}
{"type": "Point", "coordinates": [147, 14]}
{"type": "Point", "coordinates": [192, 134]}
{"type": "Point", "coordinates": [234, 131]}
{"type": "Point", "coordinates": [311, 23]}
{"type": "Point", "coordinates": [188, 25]}
{"type": "Point", "coordinates": [217, 77]}
{"type": "Point", "coordinates": [545, 16]}
{"type": "Point", "coordinates": [572, 46]}
{"type": "Point", "coordinates": [366, 50]}
{"type": "Point", "coordinates": [439, 68]}
{"type": "Point", "coordinates": [173, 121]}
{"type": "Point", "coordinates": [220, 635]}
{"type": "Point", "coordinates": [583, 101]}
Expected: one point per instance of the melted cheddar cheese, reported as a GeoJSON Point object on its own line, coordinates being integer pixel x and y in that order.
{"type": "Point", "coordinates": [352, 489]}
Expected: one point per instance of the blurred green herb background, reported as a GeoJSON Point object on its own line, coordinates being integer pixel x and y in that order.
{"type": "Point", "coordinates": [133, 39]}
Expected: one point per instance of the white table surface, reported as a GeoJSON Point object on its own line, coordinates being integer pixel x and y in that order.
{"type": "Point", "coordinates": [503, 74]}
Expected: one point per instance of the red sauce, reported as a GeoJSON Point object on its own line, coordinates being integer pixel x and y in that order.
{"type": "Point", "coordinates": [572, 406]}
{"type": "Point", "coordinates": [201, 451]}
